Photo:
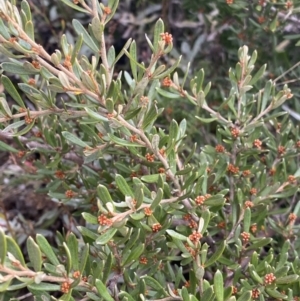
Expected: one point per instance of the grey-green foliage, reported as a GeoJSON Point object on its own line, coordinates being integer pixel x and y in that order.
{"type": "Point", "coordinates": [164, 219]}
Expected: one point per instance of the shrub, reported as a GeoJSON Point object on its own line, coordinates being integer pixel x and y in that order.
{"type": "Point", "coordinates": [163, 219]}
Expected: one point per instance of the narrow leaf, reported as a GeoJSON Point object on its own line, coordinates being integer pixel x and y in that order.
{"type": "Point", "coordinates": [74, 139]}
{"type": "Point", "coordinates": [215, 256]}
{"type": "Point", "coordinates": [35, 254]}
{"type": "Point", "coordinates": [85, 35]}
{"type": "Point", "coordinates": [47, 249]}
{"type": "Point", "coordinates": [106, 237]}
{"type": "Point", "coordinates": [219, 285]}
{"type": "Point", "coordinates": [123, 186]}
{"type": "Point", "coordinates": [102, 290]}
{"type": "Point", "coordinates": [11, 90]}
{"type": "Point", "coordinates": [3, 246]}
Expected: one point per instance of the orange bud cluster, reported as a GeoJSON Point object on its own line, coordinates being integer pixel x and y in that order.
{"type": "Point", "coordinates": [246, 173]}
{"type": "Point", "coordinates": [292, 217]}
{"type": "Point", "coordinates": [60, 174]}
{"type": "Point", "coordinates": [253, 191]}
{"type": "Point", "coordinates": [167, 82]}
{"type": "Point", "coordinates": [28, 120]}
{"type": "Point", "coordinates": [281, 150]}
{"type": "Point", "coordinates": [143, 260]}
{"type": "Point", "coordinates": [65, 287]}
{"type": "Point", "coordinates": [233, 169]}
{"type": "Point", "coordinates": [69, 194]}
{"type": "Point", "coordinates": [253, 228]}
{"type": "Point", "coordinates": [248, 204]}
{"type": "Point", "coordinates": [255, 293]}
{"type": "Point", "coordinates": [103, 220]}
{"type": "Point", "coordinates": [292, 179]}
{"type": "Point", "coordinates": [148, 211]}
{"type": "Point", "coordinates": [245, 236]}
{"type": "Point", "coordinates": [76, 274]}
{"type": "Point", "coordinates": [149, 157]}
{"type": "Point", "coordinates": [156, 227]}
{"type": "Point", "coordinates": [235, 132]}
{"type": "Point", "coordinates": [220, 148]}
{"type": "Point", "coordinates": [269, 278]}
{"type": "Point", "coordinates": [257, 143]}
{"type": "Point", "coordinates": [166, 37]}
{"type": "Point", "coordinates": [195, 237]}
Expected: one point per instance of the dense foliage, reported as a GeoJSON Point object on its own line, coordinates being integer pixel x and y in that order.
{"type": "Point", "coordinates": [172, 177]}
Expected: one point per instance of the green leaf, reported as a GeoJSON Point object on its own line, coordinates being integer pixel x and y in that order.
{"type": "Point", "coordinates": [74, 6]}
{"type": "Point", "coordinates": [133, 55]}
{"type": "Point", "coordinates": [247, 219]}
{"type": "Point", "coordinates": [150, 117]}
{"type": "Point", "coordinates": [185, 294]}
{"type": "Point", "coordinates": [107, 267]}
{"type": "Point", "coordinates": [168, 94]}
{"type": "Point", "coordinates": [95, 115]}
{"type": "Point", "coordinates": [206, 120]}
{"type": "Point", "coordinates": [254, 275]}
{"type": "Point", "coordinates": [123, 142]}
{"type": "Point", "coordinates": [10, 88]}
{"type": "Point", "coordinates": [215, 200]}
{"type": "Point", "coordinates": [176, 235]}
{"type": "Point", "coordinates": [158, 30]}
{"type": "Point", "coordinates": [3, 246]}
{"type": "Point", "coordinates": [17, 69]}
{"type": "Point", "coordinates": [266, 95]}
{"type": "Point", "coordinates": [216, 255]}
{"type": "Point", "coordinates": [150, 178]}
{"type": "Point", "coordinates": [169, 70]}
{"type": "Point", "coordinates": [258, 74]}
{"type": "Point", "coordinates": [46, 287]}
{"type": "Point", "coordinates": [15, 250]}
{"type": "Point", "coordinates": [102, 290]}
{"type": "Point", "coordinates": [261, 243]}
{"type": "Point", "coordinates": [74, 139]}
{"type": "Point", "coordinates": [5, 285]}
{"type": "Point", "coordinates": [158, 198]}
{"type": "Point", "coordinates": [97, 28]}
{"type": "Point", "coordinates": [139, 195]}
{"type": "Point", "coordinates": [4, 30]}
{"type": "Point", "coordinates": [29, 29]}
{"type": "Point", "coordinates": [85, 35]}
{"type": "Point", "coordinates": [275, 294]}
{"type": "Point", "coordinates": [47, 249]}
{"type": "Point", "coordinates": [134, 254]}
{"type": "Point", "coordinates": [246, 296]}
{"type": "Point", "coordinates": [287, 279]}
{"type": "Point", "coordinates": [5, 147]}
{"type": "Point", "coordinates": [155, 284]}
{"type": "Point", "coordinates": [69, 263]}
{"type": "Point", "coordinates": [72, 243]}
{"type": "Point", "coordinates": [219, 285]}
{"type": "Point", "coordinates": [88, 233]}
{"type": "Point", "coordinates": [133, 238]}
{"type": "Point", "coordinates": [106, 236]}
{"type": "Point", "coordinates": [5, 107]}
{"type": "Point", "coordinates": [24, 131]}
{"type": "Point", "coordinates": [208, 293]}
{"type": "Point", "coordinates": [26, 9]}
{"type": "Point", "coordinates": [77, 48]}
{"type": "Point", "coordinates": [125, 296]}
{"type": "Point", "coordinates": [91, 219]}
{"type": "Point", "coordinates": [83, 258]}
{"type": "Point", "coordinates": [123, 186]}
{"type": "Point", "coordinates": [35, 254]}
{"type": "Point", "coordinates": [103, 194]}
